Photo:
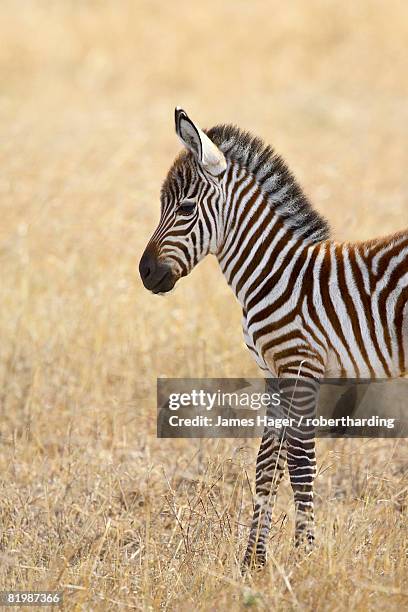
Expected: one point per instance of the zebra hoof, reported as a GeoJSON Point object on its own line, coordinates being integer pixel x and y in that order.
{"type": "Point", "coordinates": [253, 561]}
{"type": "Point", "coordinates": [305, 544]}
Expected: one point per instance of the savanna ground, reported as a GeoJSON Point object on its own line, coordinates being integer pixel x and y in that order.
{"type": "Point", "coordinates": [91, 502]}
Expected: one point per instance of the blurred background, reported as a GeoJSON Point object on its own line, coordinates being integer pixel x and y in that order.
{"type": "Point", "coordinates": [92, 502]}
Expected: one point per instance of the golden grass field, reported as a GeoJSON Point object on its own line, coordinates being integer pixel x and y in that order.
{"type": "Point", "coordinates": [91, 502]}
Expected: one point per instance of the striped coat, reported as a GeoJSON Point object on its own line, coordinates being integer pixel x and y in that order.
{"type": "Point", "coordinates": [312, 307]}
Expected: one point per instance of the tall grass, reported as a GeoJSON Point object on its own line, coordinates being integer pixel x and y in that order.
{"type": "Point", "coordinates": [91, 502]}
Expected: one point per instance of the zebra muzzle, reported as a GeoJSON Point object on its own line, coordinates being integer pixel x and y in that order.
{"type": "Point", "coordinates": [156, 276]}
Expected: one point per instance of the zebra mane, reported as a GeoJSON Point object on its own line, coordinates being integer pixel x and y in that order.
{"type": "Point", "coordinates": [274, 178]}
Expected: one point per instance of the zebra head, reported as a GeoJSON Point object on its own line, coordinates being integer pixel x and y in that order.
{"type": "Point", "coordinates": [190, 199]}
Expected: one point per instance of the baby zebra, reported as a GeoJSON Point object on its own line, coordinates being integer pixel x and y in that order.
{"type": "Point", "coordinates": [312, 307]}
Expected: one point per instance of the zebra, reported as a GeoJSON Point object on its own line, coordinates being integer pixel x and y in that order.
{"type": "Point", "coordinates": [312, 306]}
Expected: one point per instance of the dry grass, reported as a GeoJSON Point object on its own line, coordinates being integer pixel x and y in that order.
{"type": "Point", "coordinates": [91, 501]}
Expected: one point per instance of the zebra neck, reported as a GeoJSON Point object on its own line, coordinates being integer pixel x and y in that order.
{"type": "Point", "coordinates": [258, 243]}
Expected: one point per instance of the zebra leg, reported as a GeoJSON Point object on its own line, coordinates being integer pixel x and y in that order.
{"type": "Point", "coordinates": [302, 472]}
{"type": "Point", "coordinates": [270, 465]}
{"type": "Point", "coordinates": [301, 396]}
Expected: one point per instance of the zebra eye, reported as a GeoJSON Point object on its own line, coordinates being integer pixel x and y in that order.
{"type": "Point", "coordinates": [187, 207]}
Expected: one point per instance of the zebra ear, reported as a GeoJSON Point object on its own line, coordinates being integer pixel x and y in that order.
{"type": "Point", "coordinates": [206, 152]}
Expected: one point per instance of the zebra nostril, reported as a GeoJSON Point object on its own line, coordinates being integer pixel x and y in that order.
{"type": "Point", "coordinates": [147, 266]}
{"type": "Point", "coordinates": [145, 270]}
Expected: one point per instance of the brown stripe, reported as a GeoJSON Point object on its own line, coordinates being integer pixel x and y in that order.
{"type": "Point", "coordinates": [395, 276]}
{"type": "Point", "coordinates": [402, 303]}
{"type": "Point", "coordinates": [284, 297]}
{"type": "Point", "coordinates": [245, 254]}
{"type": "Point", "coordinates": [350, 307]}
{"type": "Point", "coordinates": [270, 284]}
{"type": "Point", "coordinates": [324, 281]}
{"type": "Point", "coordinates": [232, 213]}
{"type": "Point", "coordinates": [297, 352]}
{"type": "Point", "coordinates": [366, 301]}
{"type": "Point", "coordinates": [311, 309]}
{"type": "Point", "coordinates": [257, 249]}
{"type": "Point", "coordinates": [385, 259]}
{"type": "Point", "coordinates": [292, 335]}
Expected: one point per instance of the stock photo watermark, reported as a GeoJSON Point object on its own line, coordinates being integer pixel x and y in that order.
{"type": "Point", "coordinates": [243, 408]}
